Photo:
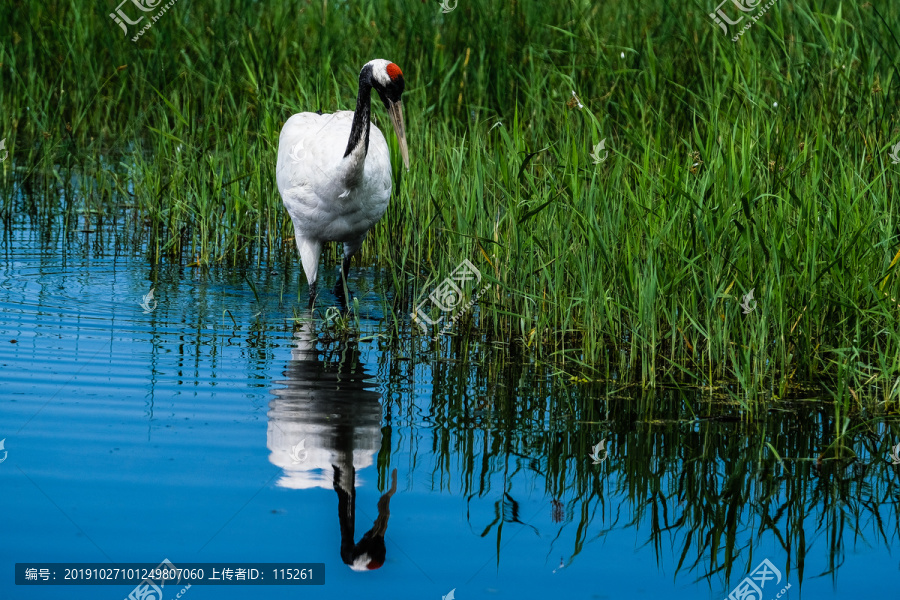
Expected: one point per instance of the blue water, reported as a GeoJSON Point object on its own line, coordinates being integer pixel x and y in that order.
{"type": "Point", "coordinates": [193, 434]}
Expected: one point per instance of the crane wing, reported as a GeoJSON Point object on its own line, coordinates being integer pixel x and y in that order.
{"type": "Point", "coordinates": [310, 149]}
{"type": "Point", "coordinates": [327, 195]}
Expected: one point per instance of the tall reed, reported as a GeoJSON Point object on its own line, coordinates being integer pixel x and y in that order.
{"type": "Point", "coordinates": [759, 165]}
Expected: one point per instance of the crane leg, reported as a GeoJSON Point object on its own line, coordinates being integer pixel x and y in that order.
{"type": "Point", "coordinates": [350, 249]}
{"type": "Point", "coordinates": [345, 267]}
{"type": "Point", "coordinates": [309, 256]}
{"type": "Point", "coordinates": [312, 295]}
{"type": "Point", "coordinates": [340, 286]}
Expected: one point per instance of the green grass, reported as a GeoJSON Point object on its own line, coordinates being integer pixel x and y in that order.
{"type": "Point", "coordinates": [633, 268]}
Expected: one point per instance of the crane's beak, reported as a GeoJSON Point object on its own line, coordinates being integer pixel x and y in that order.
{"type": "Point", "coordinates": [395, 110]}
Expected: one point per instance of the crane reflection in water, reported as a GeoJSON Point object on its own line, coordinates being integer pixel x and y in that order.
{"type": "Point", "coordinates": [325, 425]}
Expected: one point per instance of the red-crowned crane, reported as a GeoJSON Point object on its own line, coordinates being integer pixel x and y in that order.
{"type": "Point", "coordinates": [334, 170]}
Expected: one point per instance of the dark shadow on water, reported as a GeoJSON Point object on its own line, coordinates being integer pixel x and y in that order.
{"type": "Point", "coordinates": [698, 481]}
{"type": "Point", "coordinates": [325, 425]}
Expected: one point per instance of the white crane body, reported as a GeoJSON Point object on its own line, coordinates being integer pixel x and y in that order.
{"type": "Point", "coordinates": [334, 170]}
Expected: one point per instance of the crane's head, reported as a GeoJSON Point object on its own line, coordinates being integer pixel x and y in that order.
{"type": "Point", "coordinates": [387, 79]}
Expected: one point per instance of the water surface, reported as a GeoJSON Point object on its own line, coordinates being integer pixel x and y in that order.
{"type": "Point", "coordinates": [216, 427]}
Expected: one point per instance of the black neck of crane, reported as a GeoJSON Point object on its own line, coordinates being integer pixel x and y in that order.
{"type": "Point", "coordinates": [359, 133]}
